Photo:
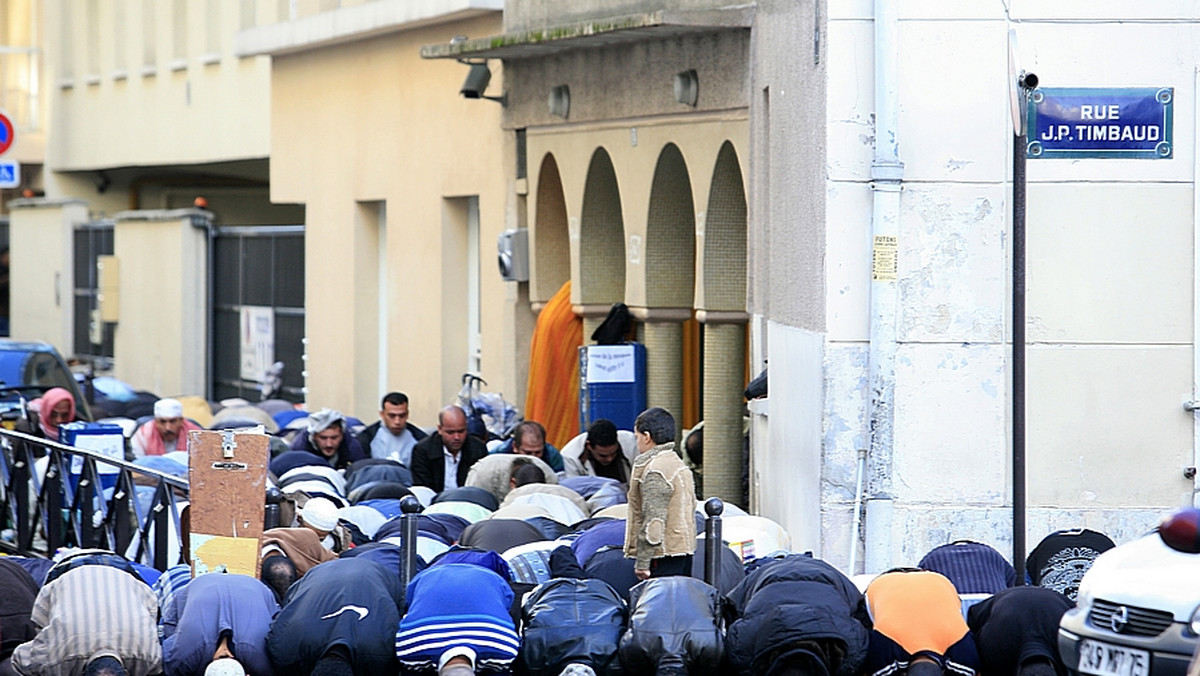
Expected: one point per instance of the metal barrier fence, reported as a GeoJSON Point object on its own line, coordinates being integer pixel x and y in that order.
{"type": "Point", "coordinates": [55, 496]}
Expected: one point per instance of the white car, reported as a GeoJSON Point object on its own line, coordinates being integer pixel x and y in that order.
{"type": "Point", "coordinates": [1137, 613]}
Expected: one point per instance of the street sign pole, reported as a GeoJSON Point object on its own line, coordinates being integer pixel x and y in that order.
{"type": "Point", "coordinates": [1020, 83]}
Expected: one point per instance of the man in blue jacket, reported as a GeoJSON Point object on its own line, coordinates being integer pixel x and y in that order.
{"type": "Point", "coordinates": [218, 616]}
{"type": "Point", "coordinates": [529, 438]}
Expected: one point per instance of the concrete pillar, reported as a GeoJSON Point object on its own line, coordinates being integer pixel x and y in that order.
{"type": "Point", "coordinates": [724, 384]}
{"type": "Point", "coordinates": [662, 333]}
{"type": "Point", "coordinates": [42, 269]}
{"type": "Point", "coordinates": [162, 339]}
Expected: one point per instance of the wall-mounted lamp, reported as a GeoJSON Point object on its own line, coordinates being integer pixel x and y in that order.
{"type": "Point", "coordinates": [687, 87]}
{"type": "Point", "coordinates": [477, 81]}
{"type": "Point", "coordinates": [560, 101]}
{"type": "Point", "coordinates": [101, 181]}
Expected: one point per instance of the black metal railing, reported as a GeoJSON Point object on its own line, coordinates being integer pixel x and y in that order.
{"type": "Point", "coordinates": [65, 503]}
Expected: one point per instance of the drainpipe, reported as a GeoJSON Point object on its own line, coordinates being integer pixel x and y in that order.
{"type": "Point", "coordinates": [887, 174]}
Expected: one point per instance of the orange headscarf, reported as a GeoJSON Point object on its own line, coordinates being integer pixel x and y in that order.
{"type": "Point", "coordinates": [53, 397]}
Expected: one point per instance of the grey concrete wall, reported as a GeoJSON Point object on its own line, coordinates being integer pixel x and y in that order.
{"type": "Point", "coordinates": [603, 87]}
{"type": "Point", "coordinates": [787, 167]}
{"type": "Point", "coordinates": [523, 15]}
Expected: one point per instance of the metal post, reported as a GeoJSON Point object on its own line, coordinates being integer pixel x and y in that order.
{"type": "Point", "coordinates": [712, 540]}
{"type": "Point", "coordinates": [20, 488]}
{"type": "Point", "coordinates": [162, 534]}
{"type": "Point", "coordinates": [410, 507]}
{"type": "Point", "coordinates": [53, 500]}
{"type": "Point", "coordinates": [118, 512]}
{"type": "Point", "coordinates": [85, 499]}
{"type": "Point", "coordinates": [1018, 355]}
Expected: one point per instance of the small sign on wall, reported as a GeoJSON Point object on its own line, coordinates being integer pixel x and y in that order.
{"type": "Point", "coordinates": [1078, 122]}
{"type": "Point", "coordinates": [258, 342]}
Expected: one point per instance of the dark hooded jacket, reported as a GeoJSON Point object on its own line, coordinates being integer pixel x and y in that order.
{"type": "Point", "coordinates": [797, 603]}
{"type": "Point", "coordinates": [322, 610]}
{"type": "Point", "coordinates": [674, 626]}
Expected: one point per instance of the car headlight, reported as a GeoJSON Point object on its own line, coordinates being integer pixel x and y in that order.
{"type": "Point", "coordinates": [1194, 623]}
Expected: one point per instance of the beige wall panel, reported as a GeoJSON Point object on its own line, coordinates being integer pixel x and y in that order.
{"type": "Point", "coordinates": [848, 260]}
{"type": "Point", "coordinates": [933, 441]}
{"type": "Point", "coordinates": [371, 121]}
{"type": "Point", "coordinates": [42, 269]}
{"type": "Point", "coordinates": [168, 118]}
{"type": "Point", "coordinates": [850, 133]}
{"type": "Point", "coordinates": [1105, 426]}
{"type": "Point", "coordinates": [1110, 263]}
{"type": "Point", "coordinates": [954, 267]}
{"type": "Point", "coordinates": [161, 337]}
{"type": "Point", "coordinates": [954, 128]}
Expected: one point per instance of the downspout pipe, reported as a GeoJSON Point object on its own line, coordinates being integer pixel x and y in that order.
{"type": "Point", "coordinates": [887, 174]}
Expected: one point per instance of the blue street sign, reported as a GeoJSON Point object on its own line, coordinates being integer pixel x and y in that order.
{"type": "Point", "coordinates": [1076, 122]}
{"type": "Point", "coordinates": [10, 174]}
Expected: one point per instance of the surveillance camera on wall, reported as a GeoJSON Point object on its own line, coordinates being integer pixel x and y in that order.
{"type": "Point", "coordinates": [477, 81]}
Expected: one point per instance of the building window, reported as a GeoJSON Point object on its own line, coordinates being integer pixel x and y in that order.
{"type": "Point", "coordinates": [66, 61]}
{"type": "Point", "coordinates": [179, 34]}
{"type": "Point", "coordinates": [92, 23]}
{"type": "Point", "coordinates": [149, 37]}
{"type": "Point", "coordinates": [212, 31]}
{"type": "Point", "coordinates": [248, 14]}
{"type": "Point", "coordinates": [119, 37]}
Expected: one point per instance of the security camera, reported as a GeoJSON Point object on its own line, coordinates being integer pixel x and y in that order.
{"type": "Point", "coordinates": [477, 81]}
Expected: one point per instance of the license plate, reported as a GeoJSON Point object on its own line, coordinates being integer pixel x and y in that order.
{"type": "Point", "coordinates": [1105, 659]}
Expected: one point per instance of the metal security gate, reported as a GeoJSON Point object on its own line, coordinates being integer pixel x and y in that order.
{"type": "Point", "coordinates": [258, 310]}
{"type": "Point", "coordinates": [92, 337]}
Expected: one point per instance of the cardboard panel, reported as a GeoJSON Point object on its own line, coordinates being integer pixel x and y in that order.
{"type": "Point", "coordinates": [228, 475]}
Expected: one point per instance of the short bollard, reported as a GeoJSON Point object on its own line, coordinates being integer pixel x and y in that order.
{"type": "Point", "coordinates": [712, 540]}
{"type": "Point", "coordinates": [410, 507]}
{"type": "Point", "coordinates": [271, 510]}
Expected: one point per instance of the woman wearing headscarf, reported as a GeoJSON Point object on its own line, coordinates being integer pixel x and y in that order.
{"type": "Point", "coordinates": [55, 407]}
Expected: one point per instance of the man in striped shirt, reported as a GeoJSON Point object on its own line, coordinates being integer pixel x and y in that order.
{"type": "Point", "coordinates": [90, 613]}
{"type": "Point", "coordinates": [457, 621]}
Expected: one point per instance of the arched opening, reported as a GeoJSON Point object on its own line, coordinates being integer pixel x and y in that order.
{"type": "Point", "coordinates": [725, 236]}
{"type": "Point", "coordinates": [670, 234]}
{"type": "Point", "coordinates": [552, 245]}
{"type": "Point", "coordinates": [601, 235]}
{"type": "Point", "coordinates": [670, 270]}
{"type": "Point", "coordinates": [724, 334]}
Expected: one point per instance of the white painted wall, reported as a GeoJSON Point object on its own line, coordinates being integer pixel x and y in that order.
{"type": "Point", "coordinates": [1110, 301]}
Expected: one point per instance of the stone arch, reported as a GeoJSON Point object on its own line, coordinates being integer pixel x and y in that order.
{"type": "Point", "coordinates": [552, 242]}
{"type": "Point", "coordinates": [601, 235]}
{"type": "Point", "coordinates": [670, 234]}
{"type": "Point", "coordinates": [725, 236]}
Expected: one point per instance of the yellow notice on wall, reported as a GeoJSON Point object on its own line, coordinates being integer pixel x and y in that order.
{"type": "Point", "coordinates": [221, 554]}
{"type": "Point", "coordinates": [884, 266]}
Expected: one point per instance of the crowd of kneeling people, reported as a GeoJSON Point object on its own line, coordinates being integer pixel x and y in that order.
{"type": "Point", "coordinates": [525, 570]}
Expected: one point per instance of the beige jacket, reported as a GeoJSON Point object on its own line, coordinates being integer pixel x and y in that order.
{"type": "Point", "coordinates": [662, 505]}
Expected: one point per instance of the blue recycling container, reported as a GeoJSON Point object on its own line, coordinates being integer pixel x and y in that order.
{"type": "Point", "coordinates": [612, 384]}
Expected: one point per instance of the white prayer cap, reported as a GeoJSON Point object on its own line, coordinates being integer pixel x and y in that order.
{"type": "Point", "coordinates": [168, 408]}
{"type": "Point", "coordinates": [226, 666]}
{"type": "Point", "coordinates": [320, 513]}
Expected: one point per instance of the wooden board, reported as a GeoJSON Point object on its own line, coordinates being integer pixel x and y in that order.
{"type": "Point", "coordinates": [228, 476]}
